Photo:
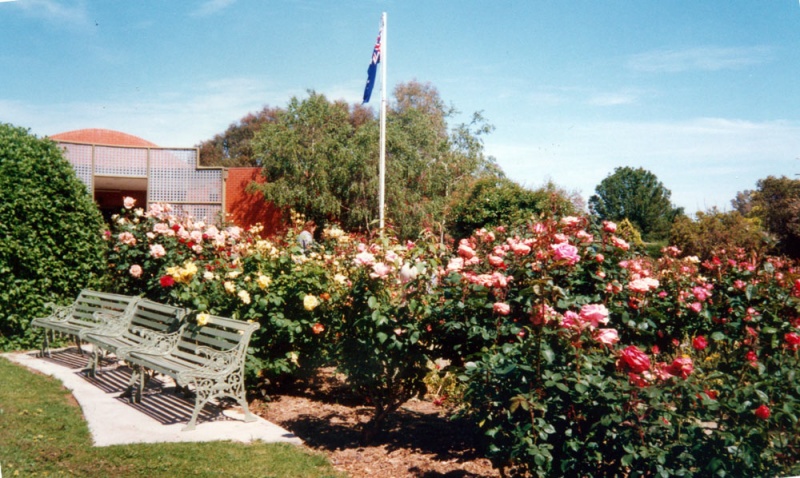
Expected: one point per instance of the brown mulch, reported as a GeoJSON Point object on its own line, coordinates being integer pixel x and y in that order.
{"type": "Point", "coordinates": [419, 440]}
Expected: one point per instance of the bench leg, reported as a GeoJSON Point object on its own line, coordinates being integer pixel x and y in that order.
{"type": "Point", "coordinates": [135, 385]}
{"type": "Point", "coordinates": [201, 398]}
{"type": "Point", "coordinates": [248, 417]}
{"type": "Point", "coordinates": [91, 366]}
{"type": "Point", "coordinates": [78, 344]}
{"type": "Point", "coordinates": [45, 345]}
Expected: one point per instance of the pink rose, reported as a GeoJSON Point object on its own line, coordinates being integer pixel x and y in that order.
{"type": "Point", "coordinates": [520, 249]}
{"type": "Point", "coordinates": [157, 250]}
{"type": "Point", "coordinates": [700, 293]}
{"type": "Point", "coordinates": [127, 238]}
{"type": "Point", "coordinates": [638, 285]}
{"type": "Point", "coordinates": [565, 252]}
{"type": "Point", "coordinates": [465, 251]}
{"type": "Point", "coordinates": [455, 264]}
{"type": "Point", "coordinates": [696, 306]}
{"type": "Point", "coordinates": [128, 202]}
{"type": "Point", "coordinates": [634, 359]}
{"type": "Point", "coordinates": [364, 259]}
{"type": "Point", "coordinates": [594, 314]}
{"type": "Point", "coordinates": [606, 336]}
{"type": "Point", "coordinates": [380, 270]}
{"type": "Point", "coordinates": [571, 320]}
{"type": "Point", "coordinates": [570, 221]}
{"type": "Point", "coordinates": [501, 308]}
{"type": "Point", "coordinates": [135, 271]}
{"type": "Point", "coordinates": [620, 243]}
{"type": "Point", "coordinates": [609, 226]}
{"type": "Point", "coordinates": [496, 261]}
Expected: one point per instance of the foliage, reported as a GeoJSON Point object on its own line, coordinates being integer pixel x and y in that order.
{"type": "Point", "coordinates": [231, 272]}
{"type": "Point", "coordinates": [576, 354]}
{"type": "Point", "coordinates": [50, 246]}
{"type": "Point", "coordinates": [636, 195]}
{"type": "Point", "coordinates": [776, 203]}
{"type": "Point", "coordinates": [321, 159]}
{"type": "Point", "coordinates": [44, 434]}
{"type": "Point", "coordinates": [714, 231]}
{"type": "Point", "coordinates": [500, 201]}
{"type": "Point", "coordinates": [384, 335]}
{"type": "Point", "coordinates": [307, 158]}
{"type": "Point", "coordinates": [581, 358]}
{"type": "Point", "coordinates": [234, 146]}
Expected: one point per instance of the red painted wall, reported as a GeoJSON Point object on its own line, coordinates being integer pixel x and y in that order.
{"type": "Point", "coordinates": [246, 209]}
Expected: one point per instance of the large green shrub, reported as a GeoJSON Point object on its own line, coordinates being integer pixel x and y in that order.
{"type": "Point", "coordinates": [50, 241]}
{"type": "Point", "coordinates": [498, 201]}
{"type": "Point", "coordinates": [715, 232]}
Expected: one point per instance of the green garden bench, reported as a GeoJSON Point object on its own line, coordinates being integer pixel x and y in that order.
{"type": "Point", "coordinates": [207, 358]}
{"type": "Point", "coordinates": [153, 327]}
{"type": "Point", "coordinates": [91, 310]}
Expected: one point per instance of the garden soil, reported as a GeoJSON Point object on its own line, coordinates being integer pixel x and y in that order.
{"type": "Point", "coordinates": [420, 440]}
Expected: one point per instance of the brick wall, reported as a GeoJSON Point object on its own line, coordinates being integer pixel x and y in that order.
{"type": "Point", "coordinates": [246, 209]}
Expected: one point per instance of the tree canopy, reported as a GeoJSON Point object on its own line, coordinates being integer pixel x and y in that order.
{"type": "Point", "coordinates": [321, 159]}
{"type": "Point", "coordinates": [499, 201]}
{"type": "Point", "coordinates": [776, 202]}
{"type": "Point", "coordinates": [636, 195]}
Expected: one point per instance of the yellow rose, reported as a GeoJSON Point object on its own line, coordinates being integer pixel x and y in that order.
{"type": "Point", "coordinates": [310, 302]}
{"type": "Point", "coordinates": [263, 281]}
{"type": "Point", "coordinates": [202, 319]}
{"type": "Point", "coordinates": [244, 296]}
{"type": "Point", "coordinates": [229, 287]}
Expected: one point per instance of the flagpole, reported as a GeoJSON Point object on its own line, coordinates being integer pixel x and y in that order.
{"type": "Point", "coordinates": [382, 167]}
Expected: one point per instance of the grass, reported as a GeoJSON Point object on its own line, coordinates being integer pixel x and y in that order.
{"type": "Point", "coordinates": [43, 434]}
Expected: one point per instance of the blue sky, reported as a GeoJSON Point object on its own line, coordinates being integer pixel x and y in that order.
{"type": "Point", "coordinates": [704, 94]}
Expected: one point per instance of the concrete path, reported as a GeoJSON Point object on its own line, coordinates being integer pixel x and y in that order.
{"type": "Point", "coordinates": [158, 418]}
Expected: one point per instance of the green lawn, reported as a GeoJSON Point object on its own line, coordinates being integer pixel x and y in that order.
{"type": "Point", "coordinates": [42, 433]}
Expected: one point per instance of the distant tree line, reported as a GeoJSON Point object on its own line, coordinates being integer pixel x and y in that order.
{"type": "Point", "coordinates": [320, 158]}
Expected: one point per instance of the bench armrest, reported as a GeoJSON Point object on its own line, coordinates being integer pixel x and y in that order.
{"type": "Point", "coordinates": [153, 342]}
{"type": "Point", "coordinates": [111, 325]}
{"type": "Point", "coordinates": [219, 364]}
{"type": "Point", "coordinates": [61, 313]}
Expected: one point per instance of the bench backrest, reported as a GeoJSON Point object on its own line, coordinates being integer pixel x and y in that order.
{"type": "Point", "coordinates": [218, 333]}
{"type": "Point", "coordinates": [155, 316]}
{"type": "Point", "coordinates": [91, 301]}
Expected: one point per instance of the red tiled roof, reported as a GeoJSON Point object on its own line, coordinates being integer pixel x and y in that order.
{"type": "Point", "coordinates": [102, 136]}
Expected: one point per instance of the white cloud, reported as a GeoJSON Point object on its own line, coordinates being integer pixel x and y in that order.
{"type": "Point", "coordinates": [210, 7]}
{"type": "Point", "coordinates": [69, 14]}
{"type": "Point", "coordinates": [708, 58]}
{"type": "Point", "coordinates": [613, 99]}
{"type": "Point", "coordinates": [179, 118]}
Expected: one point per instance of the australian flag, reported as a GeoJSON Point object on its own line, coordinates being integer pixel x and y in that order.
{"type": "Point", "coordinates": [373, 67]}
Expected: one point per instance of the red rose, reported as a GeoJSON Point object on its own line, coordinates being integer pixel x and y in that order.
{"type": "Point", "coordinates": [792, 340]}
{"type": "Point", "coordinates": [167, 281]}
{"type": "Point", "coordinates": [699, 342]}
{"type": "Point", "coordinates": [681, 367]}
{"type": "Point", "coordinates": [762, 412]}
{"type": "Point", "coordinates": [636, 360]}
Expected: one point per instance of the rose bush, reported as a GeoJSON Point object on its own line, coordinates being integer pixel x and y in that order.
{"type": "Point", "coordinates": [606, 363]}
{"type": "Point", "coordinates": [576, 354]}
